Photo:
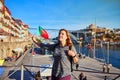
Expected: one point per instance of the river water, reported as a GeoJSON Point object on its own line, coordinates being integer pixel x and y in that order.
{"type": "Point", "coordinates": [111, 55]}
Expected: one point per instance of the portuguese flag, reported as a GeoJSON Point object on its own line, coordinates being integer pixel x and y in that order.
{"type": "Point", "coordinates": [41, 32]}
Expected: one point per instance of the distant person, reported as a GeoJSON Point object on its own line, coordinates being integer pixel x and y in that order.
{"type": "Point", "coordinates": [63, 52]}
{"type": "Point", "coordinates": [14, 55]}
{"type": "Point", "coordinates": [108, 68]}
{"type": "Point", "coordinates": [25, 48]}
{"type": "Point", "coordinates": [18, 51]}
{"type": "Point", "coordinates": [85, 78]}
{"type": "Point", "coordinates": [38, 76]}
{"type": "Point", "coordinates": [104, 67]}
{"type": "Point", "coordinates": [105, 77]}
{"type": "Point", "coordinates": [77, 66]}
{"type": "Point", "coordinates": [79, 55]}
{"type": "Point", "coordinates": [81, 76]}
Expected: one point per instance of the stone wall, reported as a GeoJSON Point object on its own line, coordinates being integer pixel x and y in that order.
{"type": "Point", "coordinates": [7, 47]}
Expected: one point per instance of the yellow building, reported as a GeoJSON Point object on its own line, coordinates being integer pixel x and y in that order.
{"type": "Point", "coordinates": [98, 32]}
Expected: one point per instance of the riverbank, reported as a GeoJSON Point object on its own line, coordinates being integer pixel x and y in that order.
{"type": "Point", "coordinates": [107, 54]}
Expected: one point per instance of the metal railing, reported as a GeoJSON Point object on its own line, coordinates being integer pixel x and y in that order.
{"type": "Point", "coordinates": [24, 67]}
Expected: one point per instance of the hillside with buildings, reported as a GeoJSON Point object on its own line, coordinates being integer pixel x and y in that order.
{"type": "Point", "coordinates": [13, 32]}
{"type": "Point", "coordinates": [99, 34]}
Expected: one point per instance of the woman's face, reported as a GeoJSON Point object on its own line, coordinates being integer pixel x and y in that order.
{"type": "Point", "coordinates": [62, 36]}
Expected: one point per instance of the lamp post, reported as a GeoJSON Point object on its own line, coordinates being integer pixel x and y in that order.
{"type": "Point", "coordinates": [94, 40]}
{"type": "Point", "coordinates": [94, 45]}
{"type": "Point", "coordinates": [107, 52]}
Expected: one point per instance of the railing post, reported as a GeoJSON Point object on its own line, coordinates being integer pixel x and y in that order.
{"type": "Point", "coordinates": [22, 72]}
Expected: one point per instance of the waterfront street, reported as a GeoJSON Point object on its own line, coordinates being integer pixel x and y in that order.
{"type": "Point", "coordinates": [90, 67]}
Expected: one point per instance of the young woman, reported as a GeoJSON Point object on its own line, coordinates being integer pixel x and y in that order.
{"type": "Point", "coordinates": [62, 54]}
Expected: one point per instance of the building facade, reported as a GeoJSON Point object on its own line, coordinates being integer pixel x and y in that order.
{"type": "Point", "coordinates": [92, 32]}
{"type": "Point", "coordinates": [13, 32]}
{"type": "Point", "coordinates": [11, 29]}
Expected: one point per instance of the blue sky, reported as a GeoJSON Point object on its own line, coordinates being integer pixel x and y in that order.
{"type": "Point", "coordinates": [68, 14]}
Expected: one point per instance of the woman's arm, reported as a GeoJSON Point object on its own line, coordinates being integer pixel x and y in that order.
{"type": "Point", "coordinates": [73, 55]}
{"type": "Point", "coordinates": [43, 45]}
{"type": "Point", "coordinates": [72, 52]}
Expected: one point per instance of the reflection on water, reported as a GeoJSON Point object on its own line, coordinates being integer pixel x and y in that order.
{"type": "Point", "coordinates": [102, 53]}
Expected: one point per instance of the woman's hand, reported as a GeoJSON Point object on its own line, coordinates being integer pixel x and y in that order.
{"type": "Point", "coordinates": [35, 41]}
{"type": "Point", "coordinates": [71, 53]}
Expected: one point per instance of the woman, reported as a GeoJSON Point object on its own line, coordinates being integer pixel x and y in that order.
{"type": "Point", "coordinates": [61, 69]}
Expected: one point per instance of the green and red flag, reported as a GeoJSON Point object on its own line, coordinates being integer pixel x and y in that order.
{"type": "Point", "coordinates": [42, 33]}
